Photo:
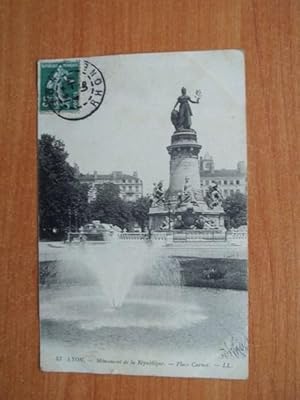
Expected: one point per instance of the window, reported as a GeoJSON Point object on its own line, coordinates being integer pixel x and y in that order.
{"type": "Point", "coordinates": [231, 191]}
{"type": "Point", "coordinates": [237, 182]}
{"type": "Point", "coordinates": [225, 192]}
{"type": "Point", "coordinates": [207, 182]}
{"type": "Point", "coordinates": [231, 182]}
{"type": "Point", "coordinates": [137, 188]}
{"type": "Point", "coordinates": [225, 182]}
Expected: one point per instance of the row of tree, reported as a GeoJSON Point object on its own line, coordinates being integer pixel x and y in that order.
{"type": "Point", "coordinates": [108, 207]}
{"type": "Point", "coordinates": [235, 208]}
{"type": "Point", "coordinates": [63, 199]}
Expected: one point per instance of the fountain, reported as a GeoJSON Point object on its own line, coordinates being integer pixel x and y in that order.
{"type": "Point", "coordinates": [116, 267]}
{"type": "Point", "coordinates": [120, 284]}
{"type": "Point", "coordinates": [125, 300]}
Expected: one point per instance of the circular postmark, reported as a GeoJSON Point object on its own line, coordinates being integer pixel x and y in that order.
{"type": "Point", "coordinates": [74, 90]}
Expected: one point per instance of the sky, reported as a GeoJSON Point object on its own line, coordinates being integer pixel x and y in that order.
{"type": "Point", "coordinates": [132, 128]}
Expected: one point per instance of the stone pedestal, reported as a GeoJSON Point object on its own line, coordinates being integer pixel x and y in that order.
{"type": "Point", "coordinates": [157, 217]}
{"type": "Point", "coordinates": [184, 166]}
{"type": "Point", "coordinates": [184, 162]}
{"type": "Point", "coordinates": [160, 216]}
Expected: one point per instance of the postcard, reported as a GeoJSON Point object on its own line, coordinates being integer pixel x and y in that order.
{"type": "Point", "coordinates": [143, 239]}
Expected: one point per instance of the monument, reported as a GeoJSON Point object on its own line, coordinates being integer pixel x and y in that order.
{"type": "Point", "coordinates": [183, 205]}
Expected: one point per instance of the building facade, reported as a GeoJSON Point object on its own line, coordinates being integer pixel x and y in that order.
{"type": "Point", "coordinates": [229, 180]}
{"type": "Point", "coordinates": [130, 186]}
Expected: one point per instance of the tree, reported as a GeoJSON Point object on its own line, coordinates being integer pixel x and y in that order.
{"type": "Point", "coordinates": [235, 207]}
{"type": "Point", "coordinates": [110, 208]}
{"type": "Point", "coordinates": [80, 204]}
{"type": "Point", "coordinates": [140, 211]}
{"type": "Point", "coordinates": [61, 195]}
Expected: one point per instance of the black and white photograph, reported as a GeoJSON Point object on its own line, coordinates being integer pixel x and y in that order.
{"type": "Point", "coordinates": [143, 239]}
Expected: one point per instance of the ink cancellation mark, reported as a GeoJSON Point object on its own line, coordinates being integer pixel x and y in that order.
{"type": "Point", "coordinates": [73, 90]}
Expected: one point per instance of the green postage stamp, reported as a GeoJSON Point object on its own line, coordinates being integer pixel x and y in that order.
{"type": "Point", "coordinates": [72, 89]}
{"type": "Point", "coordinates": [59, 86]}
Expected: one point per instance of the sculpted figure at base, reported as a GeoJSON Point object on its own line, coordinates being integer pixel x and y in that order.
{"type": "Point", "coordinates": [213, 196]}
{"type": "Point", "coordinates": [181, 119]}
{"type": "Point", "coordinates": [178, 223]}
{"type": "Point", "coordinates": [188, 195]}
{"type": "Point", "coordinates": [158, 197]}
{"type": "Point", "coordinates": [203, 222]}
{"type": "Point", "coordinates": [199, 223]}
{"type": "Point", "coordinates": [166, 224]}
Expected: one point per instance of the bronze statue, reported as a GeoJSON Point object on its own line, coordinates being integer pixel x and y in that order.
{"type": "Point", "coordinates": [182, 119]}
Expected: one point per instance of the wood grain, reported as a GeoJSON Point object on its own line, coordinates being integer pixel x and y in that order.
{"type": "Point", "coordinates": [268, 31]}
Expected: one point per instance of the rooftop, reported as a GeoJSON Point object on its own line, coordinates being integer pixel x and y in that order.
{"type": "Point", "coordinates": [107, 177]}
{"type": "Point", "coordinates": [222, 173]}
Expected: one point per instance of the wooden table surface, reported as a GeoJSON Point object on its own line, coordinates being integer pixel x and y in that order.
{"type": "Point", "coordinates": [268, 31]}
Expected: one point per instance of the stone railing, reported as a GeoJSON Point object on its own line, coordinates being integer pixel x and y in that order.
{"type": "Point", "coordinates": [176, 236]}
{"type": "Point", "coordinates": [185, 235]}
{"type": "Point", "coordinates": [133, 236]}
{"type": "Point", "coordinates": [194, 236]}
{"type": "Point", "coordinates": [160, 235]}
{"type": "Point", "coordinates": [237, 235]}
